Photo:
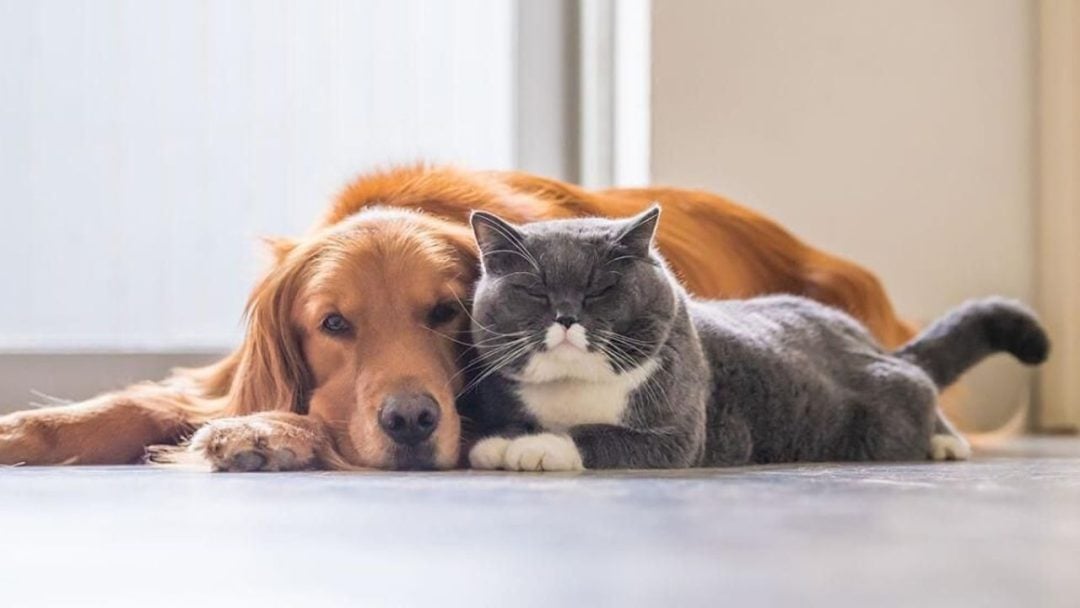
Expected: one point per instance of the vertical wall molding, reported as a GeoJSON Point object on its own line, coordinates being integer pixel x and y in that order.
{"type": "Point", "coordinates": [632, 120]}
{"type": "Point", "coordinates": [1058, 236]}
{"type": "Point", "coordinates": [615, 90]}
{"type": "Point", "coordinates": [547, 102]}
{"type": "Point", "coordinates": [597, 139]}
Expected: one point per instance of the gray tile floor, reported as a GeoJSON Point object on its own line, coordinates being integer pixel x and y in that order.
{"type": "Point", "coordinates": [1001, 530]}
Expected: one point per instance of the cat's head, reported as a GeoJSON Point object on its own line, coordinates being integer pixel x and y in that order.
{"type": "Point", "coordinates": [581, 298]}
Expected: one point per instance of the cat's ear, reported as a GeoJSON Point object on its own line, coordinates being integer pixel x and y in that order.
{"type": "Point", "coordinates": [494, 234]}
{"type": "Point", "coordinates": [638, 232]}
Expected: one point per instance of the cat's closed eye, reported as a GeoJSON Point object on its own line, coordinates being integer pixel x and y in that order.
{"type": "Point", "coordinates": [602, 287]}
{"type": "Point", "coordinates": [532, 291]}
{"type": "Point", "coordinates": [596, 294]}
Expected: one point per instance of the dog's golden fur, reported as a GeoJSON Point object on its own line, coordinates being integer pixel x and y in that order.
{"type": "Point", "coordinates": [393, 246]}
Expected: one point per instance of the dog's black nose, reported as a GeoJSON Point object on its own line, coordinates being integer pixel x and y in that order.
{"type": "Point", "coordinates": [566, 320]}
{"type": "Point", "coordinates": [409, 419]}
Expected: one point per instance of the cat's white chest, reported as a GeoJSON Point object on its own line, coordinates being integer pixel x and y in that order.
{"type": "Point", "coordinates": [578, 388]}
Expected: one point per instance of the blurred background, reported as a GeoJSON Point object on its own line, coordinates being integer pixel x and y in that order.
{"type": "Point", "coordinates": [145, 145]}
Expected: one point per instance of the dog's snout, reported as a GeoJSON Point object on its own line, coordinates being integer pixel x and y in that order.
{"type": "Point", "coordinates": [409, 419]}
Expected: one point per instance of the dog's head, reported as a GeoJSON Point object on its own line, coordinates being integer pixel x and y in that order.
{"type": "Point", "coordinates": [362, 325]}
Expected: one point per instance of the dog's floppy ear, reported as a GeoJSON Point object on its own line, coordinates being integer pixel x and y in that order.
{"type": "Point", "coordinates": [271, 373]}
{"type": "Point", "coordinates": [279, 247]}
{"type": "Point", "coordinates": [463, 242]}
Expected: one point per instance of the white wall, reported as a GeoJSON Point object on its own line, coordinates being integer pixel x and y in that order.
{"type": "Point", "coordinates": [145, 145]}
{"type": "Point", "coordinates": [898, 133]}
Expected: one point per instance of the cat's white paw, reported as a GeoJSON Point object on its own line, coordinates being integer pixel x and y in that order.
{"type": "Point", "coordinates": [488, 453]}
{"type": "Point", "coordinates": [543, 452]}
{"type": "Point", "coordinates": [949, 447]}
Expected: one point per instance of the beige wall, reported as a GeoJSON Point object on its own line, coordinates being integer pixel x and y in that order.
{"type": "Point", "coordinates": [899, 133]}
{"type": "Point", "coordinates": [1058, 226]}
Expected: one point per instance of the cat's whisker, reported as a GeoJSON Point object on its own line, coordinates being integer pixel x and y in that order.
{"type": "Point", "coordinates": [629, 351]}
{"type": "Point", "coordinates": [607, 333]}
{"type": "Point", "coordinates": [504, 342]}
{"type": "Point", "coordinates": [626, 340]}
{"type": "Point", "coordinates": [524, 332]}
{"type": "Point", "coordinates": [529, 274]}
{"type": "Point", "coordinates": [620, 338]}
{"type": "Point", "coordinates": [607, 351]}
{"type": "Point", "coordinates": [495, 353]}
{"type": "Point", "coordinates": [439, 333]}
{"type": "Point", "coordinates": [624, 363]}
{"type": "Point", "coordinates": [621, 257]}
{"type": "Point", "coordinates": [490, 343]}
{"type": "Point", "coordinates": [653, 389]}
{"type": "Point", "coordinates": [517, 253]}
{"type": "Point", "coordinates": [471, 345]}
{"type": "Point", "coordinates": [477, 323]}
{"type": "Point", "coordinates": [497, 366]}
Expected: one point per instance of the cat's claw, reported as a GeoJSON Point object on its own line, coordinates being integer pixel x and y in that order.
{"type": "Point", "coordinates": [949, 447]}
{"type": "Point", "coordinates": [543, 452]}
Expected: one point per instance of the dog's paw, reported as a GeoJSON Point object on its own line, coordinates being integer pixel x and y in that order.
{"type": "Point", "coordinates": [33, 437]}
{"type": "Point", "coordinates": [949, 447]}
{"type": "Point", "coordinates": [543, 452]}
{"type": "Point", "coordinates": [252, 444]}
{"type": "Point", "coordinates": [15, 441]}
{"type": "Point", "coordinates": [488, 453]}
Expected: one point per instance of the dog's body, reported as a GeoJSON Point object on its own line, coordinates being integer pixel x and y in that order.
{"type": "Point", "coordinates": [353, 353]}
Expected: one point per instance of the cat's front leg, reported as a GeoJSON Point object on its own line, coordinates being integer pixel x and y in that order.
{"type": "Point", "coordinates": [542, 452]}
{"type": "Point", "coordinates": [592, 446]}
{"type": "Point", "coordinates": [947, 443]}
{"type": "Point", "coordinates": [606, 446]}
{"type": "Point", "coordinates": [489, 453]}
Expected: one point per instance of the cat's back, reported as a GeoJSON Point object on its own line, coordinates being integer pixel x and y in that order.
{"type": "Point", "coordinates": [784, 368]}
{"type": "Point", "coordinates": [776, 321]}
{"type": "Point", "coordinates": [757, 347]}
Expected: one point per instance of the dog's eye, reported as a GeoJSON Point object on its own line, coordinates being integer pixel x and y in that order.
{"type": "Point", "coordinates": [443, 312]}
{"type": "Point", "coordinates": [335, 324]}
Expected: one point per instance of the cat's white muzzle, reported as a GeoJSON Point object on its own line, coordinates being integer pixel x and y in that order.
{"type": "Point", "coordinates": [558, 336]}
{"type": "Point", "coordinates": [565, 356]}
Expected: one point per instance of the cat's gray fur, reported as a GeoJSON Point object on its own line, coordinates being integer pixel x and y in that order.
{"type": "Point", "coordinates": [771, 379]}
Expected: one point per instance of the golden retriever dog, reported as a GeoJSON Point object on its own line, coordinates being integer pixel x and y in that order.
{"type": "Point", "coordinates": [356, 343]}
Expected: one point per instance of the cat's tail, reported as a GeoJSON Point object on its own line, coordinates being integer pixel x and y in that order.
{"type": "Point", "coordinates": [973, 331]}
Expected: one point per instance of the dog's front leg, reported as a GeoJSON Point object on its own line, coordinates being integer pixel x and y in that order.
{"type": "Point", "coordinates": [110, 429]}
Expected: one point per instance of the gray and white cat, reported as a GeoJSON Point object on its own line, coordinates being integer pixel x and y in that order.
{"type": "Point", "coordinates": [594, 357]}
